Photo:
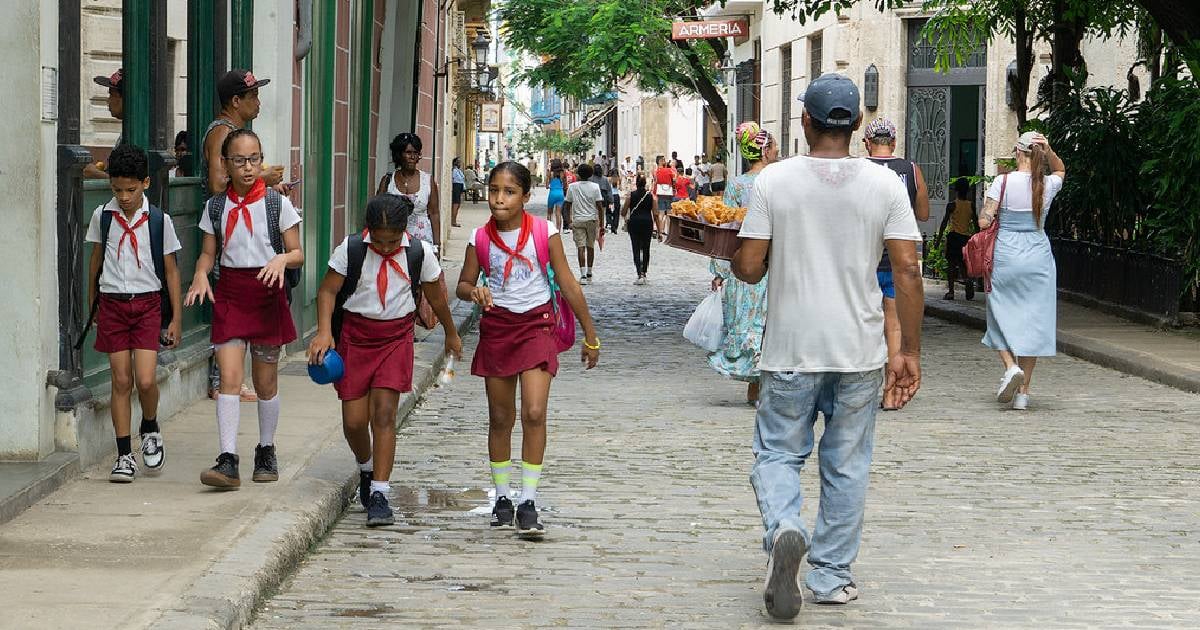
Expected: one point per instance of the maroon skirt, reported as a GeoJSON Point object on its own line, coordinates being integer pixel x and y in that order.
{"type": "Point", "coordinates": [511, 343]}
{"type": "Point", "coordinates": [376, 353]}
{"type": "Point", "coordinates": [128, 324]}
{"type": "Point", "coordinates": [247, 309]}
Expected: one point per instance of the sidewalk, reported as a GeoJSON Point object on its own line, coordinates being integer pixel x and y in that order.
{"type": "Point", "coordinates": [167, 552]}
{"type": "Point", "coordinates": [1165, 356]}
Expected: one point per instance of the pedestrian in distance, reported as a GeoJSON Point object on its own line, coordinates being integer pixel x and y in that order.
{"type": "Point", "coordinates": [183, 155]}
{"type": "Point", "coordinates": [418, 185]}
{"type": "Point", "coordinates": [639, 220]}
{"type": "Point", "coordinates": [684, 184]}
{"type": "Point", "coordinates": [599, 177]}
{"type": "Point", "coordinates": [664, 194]}
{"type": "Point", "coordinates": [370, 290]}
{"type": "Point", "coordinates": [743, 305]}
{"type": "Point", "coordinates": [557, 195]}
{"type": "Point", "coordinates": [880, 141]}
{"type": "Point", "coordinates": [823, 348]}
{"type": "Point", "coordinates": [701, 170]}
{"type": "Point", "coordinates": [716, 175]}
{"type": "Point", "coordinates": [1022, 307]}
{"type": "Point", "coordinates": [958, 224]}
{"type": "Point", "coordinates": [585, 205]}
{"type": "Point", "coordinates": [458, 182]}
{"type": "Point", "coordinates": [133, 263]}
{"type": "Point", "coordinates": [253, 233]}
{"type": "Point", "coordinates": [524, 261]}
{"type": "Point", "coordinates": [614, 210]}
{"type": "Point", "coordinates": [115, 102]}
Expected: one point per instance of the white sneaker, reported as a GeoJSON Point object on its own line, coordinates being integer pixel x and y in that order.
{"type": "Point", "coordinates": [844, 595]}
{"type": "Point", "coordinates": [782, 595]}
{"type": "Point", "coordinates": [585, 280]}
{"type": "Point", "coordinates": [154, 454]}
{"type": "Point", "coordinates": [124, 469]}
{"type": "Point", "coordinates": [1021, 402]}
{"type": "Point", "coordinates": [1014, 378]}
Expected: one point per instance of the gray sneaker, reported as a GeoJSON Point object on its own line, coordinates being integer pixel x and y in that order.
{"type": "Point", "coordinates": [124, 469]}
{"type": "Point", "coordinates": [844, 595]}
{"type": "Point", "coordinates": [782, 593]}
{"type": "Point", "coordinates": [154, 454]}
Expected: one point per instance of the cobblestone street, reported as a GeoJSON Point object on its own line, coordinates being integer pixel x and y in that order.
{"type": "Point", "coordinates": [1081, 512]}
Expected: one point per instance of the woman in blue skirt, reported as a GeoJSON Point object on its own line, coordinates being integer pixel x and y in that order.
{"type": "Point", "coordinates": [1022, 307]}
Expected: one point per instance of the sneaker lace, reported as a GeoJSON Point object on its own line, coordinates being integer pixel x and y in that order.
{"type": "Point", "coordinates": [126, 462]}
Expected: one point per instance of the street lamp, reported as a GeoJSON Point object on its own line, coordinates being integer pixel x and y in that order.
{"type": "Point", "coordinates": [727, 69]}
{"type": "Point", "coordinates": [871, 87]}
{"type": "Point", "coordinates": [480, 48]}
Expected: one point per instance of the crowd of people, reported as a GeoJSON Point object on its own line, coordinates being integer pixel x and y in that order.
{"type": "Point", "coordinates": [834, 330]}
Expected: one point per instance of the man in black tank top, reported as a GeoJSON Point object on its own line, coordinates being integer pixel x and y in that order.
{"type": "Point", "coordinates": [238, 91]}
{"type": "Point", "coordinates": [880, 140]}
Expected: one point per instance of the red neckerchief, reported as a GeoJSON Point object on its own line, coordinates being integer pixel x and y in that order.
{"type": "Point", "coordinates": [522, 239]}
{"type": "Point", "coordinates": [257, 192]}
{"type": "Point", "coordinates": [381, 278]}
{"type": "Point", "coordinates": [129, 232]}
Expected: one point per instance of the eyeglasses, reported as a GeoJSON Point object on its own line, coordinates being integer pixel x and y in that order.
{"type": "Point", "coordinates": [241, 160]}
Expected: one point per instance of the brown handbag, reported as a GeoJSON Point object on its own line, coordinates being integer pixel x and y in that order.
{"type": "Point", "coordinates": [980, 251]}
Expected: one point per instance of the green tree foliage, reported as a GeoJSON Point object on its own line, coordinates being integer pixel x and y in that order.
{"type": "Point", "coordinates": [553, 141]}
{"type": "Point", "coordinates": [588, 47]}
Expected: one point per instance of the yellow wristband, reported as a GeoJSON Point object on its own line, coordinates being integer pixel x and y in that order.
{"type": "Point", "coordinates": [591, 347]}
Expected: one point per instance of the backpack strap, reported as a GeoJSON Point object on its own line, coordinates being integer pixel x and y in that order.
{"type": "Point", "coordinates": [356, 253]}
{"type": "Point", "coordinates": [105, 224]}
{"type": "Point", "coordinates": [216, 209]}
{"type": "Point", "coordinates": [416, 258]}
{"type": "Point", "coordinates": [483, 251]}
{"type": "Point", "coordinates": [157, 226]}
{"type": "Point", "coordinates": [274, 202]}
{"type": "Point", "coordinates": [541, 242]}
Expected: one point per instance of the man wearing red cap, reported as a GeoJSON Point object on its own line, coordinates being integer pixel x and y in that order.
{"type": "Point", "coordinates": [116, 108]}
{"type": "Point", "coordinates": [238, 91]}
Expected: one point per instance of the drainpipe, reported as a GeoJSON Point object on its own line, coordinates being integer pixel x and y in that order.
{"type": "Point", "coordinates": [305, 39]}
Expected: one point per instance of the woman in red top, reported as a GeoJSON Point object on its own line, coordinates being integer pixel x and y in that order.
{"type": "Point", "coordinates": [683, 185]}
{"type": "Point", "coordinates": [664, 192]}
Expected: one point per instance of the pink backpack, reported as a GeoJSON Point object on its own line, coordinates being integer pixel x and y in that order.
{"type": "Point", "coordinates": [564, 317]}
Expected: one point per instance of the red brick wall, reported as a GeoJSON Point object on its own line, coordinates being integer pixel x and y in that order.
{"type": "Point", "coordinates": [426, 125]}
{"type": "Point", "coordinates": [376, 81]}
{"type": "Point", "coordinates": [341, 119]}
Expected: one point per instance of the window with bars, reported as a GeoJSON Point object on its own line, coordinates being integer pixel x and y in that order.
{"type": "Point", "coordinates": [815, 53]}
{"type": "Point", "coordinates": [785, 98]}
{"type": "Point", "coordinates": [922, 54]}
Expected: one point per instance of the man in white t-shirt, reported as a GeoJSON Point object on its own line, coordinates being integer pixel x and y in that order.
{"type": "Point", "coordinates": [585, 205]}
{"type": "Point", "coordinates": [821, 219]}
{"type": "Point", "coordinates": [700, 169]}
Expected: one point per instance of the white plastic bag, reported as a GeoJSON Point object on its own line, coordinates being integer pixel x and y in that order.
{"type": "Point", "coordinates": [706, 328]}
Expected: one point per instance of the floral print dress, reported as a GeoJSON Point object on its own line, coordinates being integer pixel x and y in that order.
{"type": "Point", "coordinates": [744, 305]}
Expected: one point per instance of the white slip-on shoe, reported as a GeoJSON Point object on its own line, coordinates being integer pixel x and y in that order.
{"type": "Point", "coordinates": [782, 594]}
{"type": "Point", "coordinates": [1021, 402]}
{"type": "Point", "coordinates": [1014, 378]}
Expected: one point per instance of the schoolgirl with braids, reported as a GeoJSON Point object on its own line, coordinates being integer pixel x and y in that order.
{"type": "Point", "coordinates": [520, 256]}
{"type": "Point", "coordinates": [365, 308]}
{"type": "Point", "coordinates": [253, 233]}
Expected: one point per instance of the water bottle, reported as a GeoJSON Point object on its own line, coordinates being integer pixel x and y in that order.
{"type": "Point", "coordinates": [447, 375]}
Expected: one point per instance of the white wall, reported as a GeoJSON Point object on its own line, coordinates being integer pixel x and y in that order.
{"type": "Point", "coordinates": [29, 315]}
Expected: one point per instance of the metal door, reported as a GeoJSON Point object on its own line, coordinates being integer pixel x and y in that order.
{"type": "Point", "coordinates": [928, 139]}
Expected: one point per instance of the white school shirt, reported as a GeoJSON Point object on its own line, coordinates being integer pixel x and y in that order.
{"type": "Point", "coordinates": [827, 220]}
{"type": "Point", "coordinates": [243, 250]}
{"type": "Point", "coordinates": [365, 299]}
{"type": "Point", "coordinates": [526, 288]}
{"type": "Point", "coordinates": [121, 273]}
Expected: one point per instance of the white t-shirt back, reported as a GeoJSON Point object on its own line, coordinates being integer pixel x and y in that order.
{"type": "Point", "coordinates": [365, 299]}
{"type": "Point", "coordinates": [526, 288]}
{"type": "Point", "coordinates": [701, 173]}
{"type": "Point", "coordinates": [583, 197]}
{"type": "Point", "coordinates": [121, 272]}
{"type": "Point", "coordinates": [244, 250]}
{"type": "Point", "coordinates": [827, 220]}
{"type": "Point", "coordinates": [1018, 193]}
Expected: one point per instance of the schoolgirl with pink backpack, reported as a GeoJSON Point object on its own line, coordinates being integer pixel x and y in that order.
{"type": "Point", "coordinates": [531, 302]}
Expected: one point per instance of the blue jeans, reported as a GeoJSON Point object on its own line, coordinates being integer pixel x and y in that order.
{"type": "Point", "coordinates": [783, 440]}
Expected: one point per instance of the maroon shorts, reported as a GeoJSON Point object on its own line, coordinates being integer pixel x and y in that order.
{"type": "Point", "coordinates": [245, 308]}
{"type": "Point", "coordinates": [376, 353]}
{"type": "Point", "coordinates": [128, 325]}
{"type": "Point", "coordinates": [511, 343]}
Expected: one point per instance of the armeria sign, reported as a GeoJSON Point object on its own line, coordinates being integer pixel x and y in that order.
{"type": "Point", "coordinates": [710, 29]}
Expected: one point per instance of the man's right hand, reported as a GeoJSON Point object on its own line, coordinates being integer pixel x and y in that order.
{"type": "Point", "coordinates": [273, 175]}
{"type": "Point", "coordinates": [902, 380]}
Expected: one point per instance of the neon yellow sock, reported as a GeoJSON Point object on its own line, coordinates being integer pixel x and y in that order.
{"type": "Point", "coordinates": [530, 475]}
{"type": "Point", "coordinates": [500, 474]}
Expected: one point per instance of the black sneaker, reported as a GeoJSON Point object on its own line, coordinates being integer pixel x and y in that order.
{"type": "Point", "coordinates": [502, 513]}
{"type": "Point", "coordinates": [224, 474]}
{"type": "Point", "coordinates": [527, 521]}
{"type": "Point", "coordinates": [378, 512]}
{"type": "Point", "coordinates": [266, 468]}
{"type": "Point", "coordinates": [364, 487]}
{"type": "Point", "coordinates": [782, 595]}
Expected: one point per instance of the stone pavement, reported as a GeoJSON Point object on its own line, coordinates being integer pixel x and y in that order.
{"type": "Point", "coordinates": [1082, 512]}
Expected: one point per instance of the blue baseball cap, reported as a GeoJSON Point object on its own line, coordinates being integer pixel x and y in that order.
{"type": "Point", "coordinates": [832, 100]}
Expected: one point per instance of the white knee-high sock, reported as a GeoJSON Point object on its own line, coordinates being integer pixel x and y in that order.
{"type": "Point", "coordinates": [268, 419]}
{"type": "Point", "coordinates": [228, 415]}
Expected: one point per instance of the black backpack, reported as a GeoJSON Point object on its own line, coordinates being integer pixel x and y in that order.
{"type": "Point", "coordinates": [274, 201]}
{"type": "Point", "coordinates": [356, 253]}
{"type": "Point", "coordinates": [157, 229]}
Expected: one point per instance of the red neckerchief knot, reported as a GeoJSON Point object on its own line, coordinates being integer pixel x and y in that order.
{"type": "Point", "coordinates": [522, 239]}
{"type": "Point", "coordinates": [257, 192]}
{"type": "Point", "coordinates": [381, 278]}
{"type": "Point", "coordinates": [130, 234]}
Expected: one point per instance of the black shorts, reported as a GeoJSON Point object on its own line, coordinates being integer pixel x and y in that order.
{"type": "Point", "coordinates": [955, 243]}
{"type": "Point", "coordinates": [717, 187]}
{"type": "Point", "coordinates": [456, 193]}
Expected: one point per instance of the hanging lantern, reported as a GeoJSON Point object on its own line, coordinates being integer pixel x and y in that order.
{"type": "Point", "coordinates": [871, 87]}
